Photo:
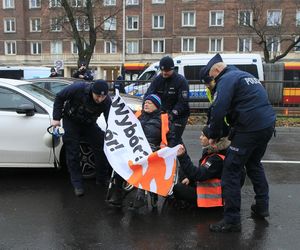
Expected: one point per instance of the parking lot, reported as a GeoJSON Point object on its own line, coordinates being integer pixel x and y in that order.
{"type": "Point", "coordinates": [38, 210]}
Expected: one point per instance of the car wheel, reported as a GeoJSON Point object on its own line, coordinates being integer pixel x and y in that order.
{"type": "Point", "coordinates": [87, 161]}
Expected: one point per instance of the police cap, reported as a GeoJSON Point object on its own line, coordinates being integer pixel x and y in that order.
{"type": "Point", "coordinates": [166, 63]}
{"type": "Point", "coordinates": [216, 59]}
{"type": "Point", "coordinates": [100, 87]}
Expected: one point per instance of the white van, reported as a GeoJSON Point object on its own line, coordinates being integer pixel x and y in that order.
{"type": "Point", "coordinates": [190, 66]}
{"type": "Point", "coordinates": [24, 72]}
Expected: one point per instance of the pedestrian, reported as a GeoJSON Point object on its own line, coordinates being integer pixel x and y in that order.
{"type": "Point", "coordinates": [173, 90]}
{"type": "Point", "coordinates": [53, 72]}
{"type": "Point", "coordinates": [192, 187]}
{"type": "Point", "coordinates": [151, 119]}
{"type": "Point", "coordinates": [241, 97]}
{"type": "Point", "coordinates": [80, 105]}
{"type": "Point", "coordinates": [119, 84]}
{"type": "Point", "coordinates": [83, 72]}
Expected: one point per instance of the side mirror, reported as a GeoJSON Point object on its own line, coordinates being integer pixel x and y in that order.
{"type": "Point", "coordinates": [27, 109]}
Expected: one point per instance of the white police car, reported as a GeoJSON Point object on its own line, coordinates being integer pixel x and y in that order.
{"type": "Point", "coordinates": [25, 114]}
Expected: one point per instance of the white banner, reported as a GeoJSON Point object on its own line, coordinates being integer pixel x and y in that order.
{"type": "Point", "coordinates": [130, 155]}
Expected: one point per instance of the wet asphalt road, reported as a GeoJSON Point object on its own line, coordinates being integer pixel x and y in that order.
{"type": "Point", "coordinates": [38, 210]}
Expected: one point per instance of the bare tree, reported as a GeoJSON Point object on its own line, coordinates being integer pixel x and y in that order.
{"type": "Point", "coordinates": [85, 21]}
{"type": "Point", "coordinates": [268, 27]}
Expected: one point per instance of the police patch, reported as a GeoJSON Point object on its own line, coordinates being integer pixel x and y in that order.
{"type": "Point", "coordinates": [207, 164]}
{"type": "Point", "coordinates": [184, 94]}
{"type": "Point", "coordinates": [215, 95]}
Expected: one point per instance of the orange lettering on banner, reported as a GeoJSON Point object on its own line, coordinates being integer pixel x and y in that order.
{"type": "Point", "coordinates": [156, 170]}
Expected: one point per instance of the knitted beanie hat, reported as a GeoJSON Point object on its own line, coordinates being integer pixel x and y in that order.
{"type": "Point", "coordinates": [155, 99]}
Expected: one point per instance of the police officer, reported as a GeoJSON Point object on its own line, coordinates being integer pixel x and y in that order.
{"type": "Point", "coordinates": [252, 118]}
{"type": "Point", "coordinates": [173, 90]}
{"type": "Point", "coordinates": [120, 84]}
{"type": "Point", "coordinates": [83, 72]}
{"type": "Point", "coordinates": [53, 72]}
{"type": "Point", "coordinates": [80, 105]}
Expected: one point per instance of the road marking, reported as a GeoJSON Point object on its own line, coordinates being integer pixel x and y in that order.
{"type": "Point", "coordinates": [287, 162]}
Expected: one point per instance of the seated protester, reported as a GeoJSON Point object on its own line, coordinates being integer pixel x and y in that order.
{"type": "Point", "coordinates": [151, 119]}
{"type": "Point", "coordinates": [208, 172]}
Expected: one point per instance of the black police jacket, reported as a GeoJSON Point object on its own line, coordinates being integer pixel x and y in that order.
{"type": "Point", "coordinates": [151, 124]}
{"type": "Point", "coordinates": [173, 92]}
{"type": "Point", "coordinates": [76, 102]}
{"type": "Point", "coordinates": [242, 98]}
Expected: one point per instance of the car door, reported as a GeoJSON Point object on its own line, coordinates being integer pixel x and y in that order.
{"type": "Point", "coordinates": [21, 135]}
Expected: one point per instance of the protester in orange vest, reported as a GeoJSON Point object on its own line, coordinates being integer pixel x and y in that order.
{"type": "Point", "coordinates": [155, 125]}
{"type": "Point", "coordinates": [202, 185]}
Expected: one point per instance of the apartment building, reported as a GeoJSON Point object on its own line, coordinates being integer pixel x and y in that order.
{"type": "Point", "coordinates": [142, 31]}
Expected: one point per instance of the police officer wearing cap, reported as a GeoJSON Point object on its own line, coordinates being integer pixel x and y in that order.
{"type": "Point", "coordinates": [173, 90]}
{"type": "Point", "coordinates": [242, 97]}
{"type": "Point", "coordinates": [79, 105]}
{"type": "Point", "coordinates": [83, 72]}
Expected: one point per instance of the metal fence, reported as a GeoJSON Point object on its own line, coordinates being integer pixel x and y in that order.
{"type": "Point", "coordinates": [283, 95]}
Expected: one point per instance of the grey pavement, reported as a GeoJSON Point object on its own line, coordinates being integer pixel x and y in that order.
{"type": "Point", "coordinates": [38, 210]}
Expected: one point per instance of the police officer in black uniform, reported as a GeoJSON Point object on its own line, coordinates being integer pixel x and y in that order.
{"type": "Point", "coordinates": [80, 105]}
{"type": "Point", "coordinates": [241, 97]}
{"type": "Point", "coordinates": [83, 72]}
{"type": "Point", "coordinates": [173, 90]}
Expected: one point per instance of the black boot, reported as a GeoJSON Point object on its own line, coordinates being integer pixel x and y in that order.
{"type": "Point", "coordinates": [260, 211]}
{"type": "Point", "coordinates": [140, 199]}
{"type": "Point", "coordinates": [116, 198]}
{"type": "Point", "coordinates": [154, 199]}
{"type": "Point", "coordinates": [224, 227]}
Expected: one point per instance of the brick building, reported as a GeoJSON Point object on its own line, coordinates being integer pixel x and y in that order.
{"type": "Point", "coordinates": [31, 32]}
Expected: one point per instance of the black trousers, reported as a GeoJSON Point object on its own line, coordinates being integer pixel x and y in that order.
{"type": "Point", "coordinates": [94, 136]}
{"type": "Point", "coordinates": [185, 193]}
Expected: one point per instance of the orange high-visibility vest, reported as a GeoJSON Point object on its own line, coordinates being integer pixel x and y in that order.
{"type": "Point", "coordinates": [209, 192]}
{"type": "Point", "coordinates": [164, 126]}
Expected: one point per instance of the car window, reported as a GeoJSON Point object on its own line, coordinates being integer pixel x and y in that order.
{"type": "Point", "coordinates": [39, 93]}
{"type": "Point", "coordinates": [10, 100]}
{"type": "Point", "coordinates": [53, 87]}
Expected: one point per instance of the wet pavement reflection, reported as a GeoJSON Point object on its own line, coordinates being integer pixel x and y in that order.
{"type": "Point", "coordinates": [38, 210]}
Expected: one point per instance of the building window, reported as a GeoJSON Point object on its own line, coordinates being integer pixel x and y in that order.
{"type": "Point", "coordinates": [245, 44]}
{"type": "Point", "coordinates": [34, 4]}
{"type": "Point", "coordinates": [132, 23]}
{"type": "Point", "coordinates": [56, 47]}
{"type": "Point", "coordinates": [78, 3]}
{"type": "Point", "coordinates": [55, 25]}
{"type": "Point", "coordinates": [132, 47]}
{"type": "Point", "coordinates": [297, 46]}
{"type": "Point", "coordinates": [110, 23]}
{"type": "Point", "coordinates": [216, 18]}
{"type": "Point", "coordinates": [245, 17]}
{"type": "Point", "coordinates": [158, 1]}
{"type": "Point", "coordinates": [158, 46]}
{"type": "Point", "coordinates": [298, 18]}
{"type": "Point", "coordinates": [35, 25]}
{"type": "Point", "coordinates": [110, 47]}
{"type": "Point", "coordinates": [8, 4]}
{"type": "Point", "coordinates": [74, 48]}
{"type": "Point", "coordinates": [158, 22]}
{"type": "Point", "coordinates": [132, 2]}
{"type": "Point", "coordinates": [215, 44]}
{"type": "Point", "coordinates": [274, 17]}
{"type": "Point", "coordinates": [36, 48]}
{"type": "Point", "coordinates": [10, 47]}
{"type": "Point", "coordinates": [54, 3]}
{"type": "Point", "coordinates": [188, 44]}
{"type": "Point", "coordinates": [273, 44]}
{"type": "Point", "coordinates": [109, 2]}
{"type": "Point", "coordinates": [188, 19]}
{"type": "Point", "coordinates": [9, 25]}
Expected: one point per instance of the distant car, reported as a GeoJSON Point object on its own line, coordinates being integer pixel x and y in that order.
{"type": "Point", "coordinates": [56, 84]}
{"type": "Point", "coordinates": [25, 114]}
